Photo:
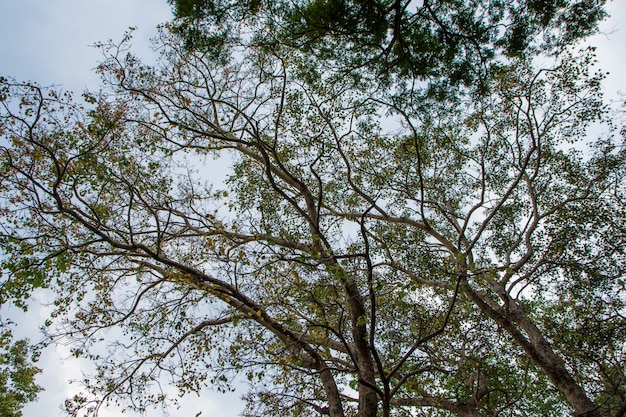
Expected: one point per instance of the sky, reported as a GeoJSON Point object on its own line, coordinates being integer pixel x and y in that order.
{"type": "Point", "coordinates": [49, 41]}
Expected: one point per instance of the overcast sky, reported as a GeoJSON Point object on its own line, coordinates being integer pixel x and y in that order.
{"type": "Point", "coordinates": [48, 41]}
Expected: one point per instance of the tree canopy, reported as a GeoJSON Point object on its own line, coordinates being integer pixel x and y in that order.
{"type": "Point", "coordinates": [423, 211]}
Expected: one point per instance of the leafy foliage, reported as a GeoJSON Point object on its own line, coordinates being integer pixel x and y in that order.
{"type": "Point", "coordinates": [450, 44]}
{"type": "Point", "coordinates": [17, 373]}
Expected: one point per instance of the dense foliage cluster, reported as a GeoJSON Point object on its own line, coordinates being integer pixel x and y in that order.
{"type": "Point", "coordinates": [17, 373]}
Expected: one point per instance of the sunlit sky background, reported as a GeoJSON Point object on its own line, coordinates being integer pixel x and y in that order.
{"type": "Point", "coordinates": [48, 41]}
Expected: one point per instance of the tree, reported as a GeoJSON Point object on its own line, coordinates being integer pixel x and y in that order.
{"type": "Point", "coordinates": [447, 43]}
{"type": "Point", "coordinates": [388, 242]}
{"type": "Point", "coordinates": [17, 373]}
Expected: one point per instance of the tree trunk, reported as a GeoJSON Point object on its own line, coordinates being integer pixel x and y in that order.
{"type": "Point", "coordinates": [335, 408]}
{"type": "Point", "coordinates": [368, 398]}
{"type": "Point", "coordinates": [512, 318]}
{"type": "Point", "coordinates": [552, 365]}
